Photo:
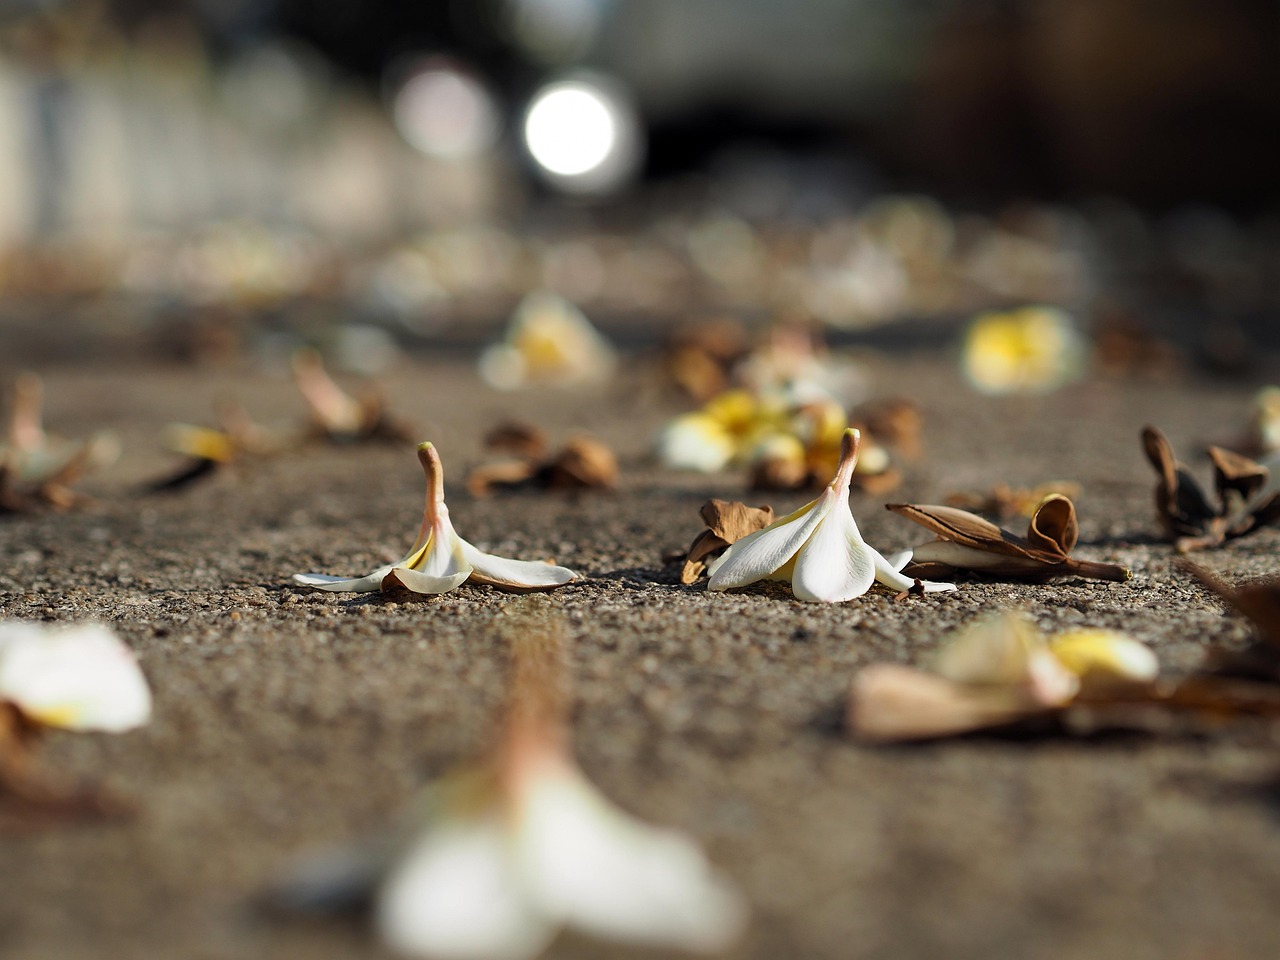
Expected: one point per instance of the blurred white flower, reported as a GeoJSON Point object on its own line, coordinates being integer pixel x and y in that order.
{"type": "Point", "coordinates": [511, 858]}
{"type": "Point", "coordinates": [818, 548]}
{"type": "Point", "coordinates": [76, 678]}
{"type": "Point", "coordinates": [549, 342]}
{"type": "Point", "coordinates": [440, 559]}
{"type": "Point", "coordinates": [1032, 350]}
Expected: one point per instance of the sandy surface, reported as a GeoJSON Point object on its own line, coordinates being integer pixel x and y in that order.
{"type": "Point", "coordinates": [288, 719]}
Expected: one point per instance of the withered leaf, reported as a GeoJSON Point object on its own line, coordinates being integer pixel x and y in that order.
{"type": "Point", "coordinates": [1185, 510]}
{"type": "Point", "coordinates": [518, 438]}
{"type": "Point", "coordinates": [969, 542]}
{"type": "Point", "coordinates": [728, 521]}
{"type": "Point", "coordinates": [582, 463]}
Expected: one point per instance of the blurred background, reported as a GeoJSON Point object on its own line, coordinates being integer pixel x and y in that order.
{"type": "Point", "coordinates": [202, 177]}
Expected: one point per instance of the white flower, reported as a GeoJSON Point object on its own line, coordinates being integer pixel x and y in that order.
{"type": "Point", "coordinates": [818, 548]}
{"type": "Point", "coordinates": [440, 559]}
{"type": "Point", "coordinates": [496, 880]}
{"type": "Point", "coordinates": [77, 678]}
{"type": "Point", "coordinates": [549, 342]}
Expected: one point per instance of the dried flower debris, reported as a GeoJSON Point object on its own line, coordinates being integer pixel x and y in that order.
{"type": "Point", "coordinates": [967, 542]}
{"type": "Point", "coordinates": [583, 463]}
{"type": "Point", "coordinates": [818, 548]}
{"type": "Point", "coordinates": [1247, 496]}
{"type": "Point", "coordinates": [439, 559]}
{"type": "Point", "coordinates": [728, 521]}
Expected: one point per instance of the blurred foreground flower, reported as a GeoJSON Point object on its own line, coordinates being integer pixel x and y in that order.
{"type": "Point", "coordinates": [1248, 495]}
{"type": "Point", "coordinates": [514, 849]}
{"type": "Point", "coordinates": [968, 542]}
{"type": "Point", "coordinates": [440, 559]}
{"type": "Point", "coordinates": [36, 469]}
{"type": "Point", "coordinates": [74, 678]}
{"type": "Point", "coordinates": [1032, 350]}
{"type": "Point", "coordinates": [337, 416]}
{"type": "Point", "coordinates": [819, 548]}
{"type": "Point", "coordinates": [549, 342]}
{"type": "Point", "coordinates": [995, 672]}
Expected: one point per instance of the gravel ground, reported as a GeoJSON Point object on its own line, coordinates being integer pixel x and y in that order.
{"type": "Point", "coordinates": [287, 720]}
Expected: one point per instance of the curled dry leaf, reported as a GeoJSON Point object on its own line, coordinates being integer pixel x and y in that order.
{"type": "Point", "coordinates": [1247, 496]}
{"type": "Point", "coordinates": [968, 542]}
{"type": "Point", "coordinates": [518, 438]}
{"type": "Point", "coordinates": [1005, 501]}
{"type": "Point", "coordinates": [728, 521]}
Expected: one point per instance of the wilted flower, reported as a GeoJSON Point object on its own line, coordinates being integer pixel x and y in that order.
{"type": "Point", "coordinates": [818, 548]}
{"type": "Point", "coordinates": [549, 342]}
{"type": "Point", "coordinates": [994, 672]}
{"type": "Point", "coordinates": [1032, 350]}
{"type": "Point", "coordinates": [968, 542]}
{"type": "Point", "coordinates": [440, 559]}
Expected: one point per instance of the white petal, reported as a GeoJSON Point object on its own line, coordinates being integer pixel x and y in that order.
{"type": "Point", "coordinates": [612, 876]}
{"type": "Point", "coordinates": [899, 560]}
{"type": "Point", "coordinates": [891, 576]}
{"type": "Point", "coordinates": [79, 678]}
{"type": "Point", "coordinates": [419, 582]}
{"type": "Point", "coordinates": [835, 565]}
{"type": "Point", "coordinates": [1007, 651]}
{"type": "Point", "coordinates": [442, 556]}
{"type": "Point", "coordinates": [760, 554]}
{"type": "Point", "coordinates": [366, 584]}
{"type": "Point", "coordinates": [959, 556]}
{"type": "Point", "coordinates": [459, 895]}
{"type": "Point", "coordinates": [503, 572]}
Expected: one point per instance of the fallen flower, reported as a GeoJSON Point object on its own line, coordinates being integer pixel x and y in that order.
{"type": "Point", "coordinates": [818, 548]}
{"type": "Point", "coordinates": [337, 416]}
{"type": "Point", "coordinates": [994, 672]}
{"type": "Point", "coordinates": [207, 449]}
{"type": "Point", "coordinates": [440, 559]}
{"type": "Point", "coordinates": [1248, 496]}
{"type": "Point", "coordinates": [1031, 350]}
{"type": "Point", "coordinates": [74, 678]}
{"type": "Point", "coordinates": [549, 342]}
{"type": "Point", "coordinates": [522, 844]}
{"type": "Point", "coordinates": [728, 521]}
{"type": "Point", "coordinates": [968, 542]}
{"type": "Point", "coordinates": [37, 470]}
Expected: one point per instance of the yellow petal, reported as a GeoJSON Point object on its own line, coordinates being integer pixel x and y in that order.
{"type": "Point", "coordinates": [1105, 654]}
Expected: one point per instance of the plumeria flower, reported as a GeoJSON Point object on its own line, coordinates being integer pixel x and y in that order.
{"type": "Point", "coordinates": [996, 671]}
{"type": "Point", "coordinates": [526, 845]}
{"type": "Point", "coordinates": [549, 342]}
{"type": "Point", "coordinates": [818, 548]}
{"type": "Point", "coordinates": [77, 678]}
{"type": "Point", "coordinates": [1031, 350]}
{"type": "Point", "coordinates": [439, 559]}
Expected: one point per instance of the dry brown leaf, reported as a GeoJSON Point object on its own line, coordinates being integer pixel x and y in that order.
{"type": "Point", "coordinates": [969, 542]}
{"type": "Point", "coordinates": [583, 463]}
{"type": "Point", "coordinates": [728, 521]}
{"type": "Point", "coordinates": [518, 438]}
{"type": "Point", "coordinates": [1184, 509]}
